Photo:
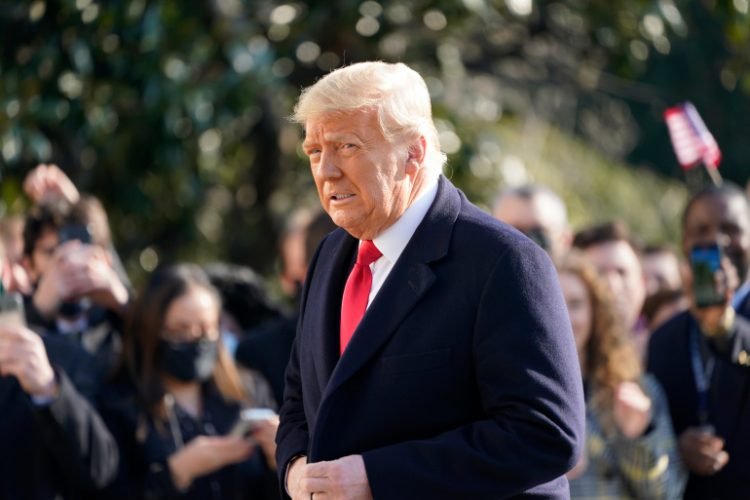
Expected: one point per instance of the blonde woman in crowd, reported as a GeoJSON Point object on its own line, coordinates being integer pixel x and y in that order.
{"type": "Point", "coordinates": [630, 447]}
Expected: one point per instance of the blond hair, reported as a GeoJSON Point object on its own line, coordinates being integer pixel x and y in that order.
{"type": "Point", "coordinates": [395, 91]}
{"type": "Point", "coordinates": [611, 357]}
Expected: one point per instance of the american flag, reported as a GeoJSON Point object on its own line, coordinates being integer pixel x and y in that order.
{"type": "Point", "coordinates": [691, 140]}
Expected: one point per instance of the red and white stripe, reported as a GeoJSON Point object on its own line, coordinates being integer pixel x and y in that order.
{"type": "Point", "coordinates": [691, 140]}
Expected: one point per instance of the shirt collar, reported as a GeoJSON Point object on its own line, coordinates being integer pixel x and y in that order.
{"type": "Point", "coordinates": [393, 240]}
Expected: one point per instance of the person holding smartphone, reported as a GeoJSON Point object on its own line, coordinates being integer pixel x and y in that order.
{"type": "Point", "coordinates": [702, 356]}
{"type": "Point", "coordinates": [177, 397]}
{"type": "Point", "coordinates": [54, 444]}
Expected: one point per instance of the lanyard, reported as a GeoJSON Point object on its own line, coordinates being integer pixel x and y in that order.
{"type": "Point", "coordinates": [701, 373]}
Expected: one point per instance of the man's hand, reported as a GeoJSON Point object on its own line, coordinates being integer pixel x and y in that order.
{"type": "Point", "coordinates": [22, 355]}
{"type": "Point", "coordinates": [342, 479]}
{"type": "Point", "coordinates": [77, 270]}
{"type": "Point", "coordinates": [14, 277]}
{"type": "Point", "coordinates": [206, 454]}
{"type": "Point", "coordinates": [632, 409]}
{"type": "Point", "coordinates": [95, 278]}
{"type": "Point", "coordinates": [294, 477]}
{"type": "Point", "coordinates": [702, 451]}
{"type": "Point", "coordinates": [55, 284]}
{"type": "Point", "coordinates": [47, 183]}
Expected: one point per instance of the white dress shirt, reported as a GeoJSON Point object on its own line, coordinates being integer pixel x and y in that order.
{"type": "Point", "coordinates": [394, 239]}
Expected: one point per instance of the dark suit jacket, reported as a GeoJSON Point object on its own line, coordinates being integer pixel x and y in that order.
{"type": "Point", "coordinates": [729, 405]}
{"type": "Point", "coordinates": [462, 379]}
{"type": "Point", "coordinates": [64, 449]}
{"type": "Point", "coordinates": [61, 450]}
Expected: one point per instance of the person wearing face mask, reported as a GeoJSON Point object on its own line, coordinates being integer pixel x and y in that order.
{"type": "Point", "coordinates": [177, 396]}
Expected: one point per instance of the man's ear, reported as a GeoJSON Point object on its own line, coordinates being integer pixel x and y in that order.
{"type": "Point", "coordinates": [416, 155]}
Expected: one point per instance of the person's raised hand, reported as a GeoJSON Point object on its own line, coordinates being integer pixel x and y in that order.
{"type": "Point", "coordinates": [56, 284]}
{"type": "Point", "coordinates": [632, 409]}
{"type": "Point", "coordinates": [22, 355]}
{"type": "Point", "coordinates": [95, 278]}
{"type": "Point", "coordinates": [48, 183]}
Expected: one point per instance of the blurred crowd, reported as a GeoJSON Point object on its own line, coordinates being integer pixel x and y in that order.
{"type": "Point", "coordinates": [111, 392]}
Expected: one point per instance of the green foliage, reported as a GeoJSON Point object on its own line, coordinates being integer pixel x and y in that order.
{"type": "Point", "coordinates": [594, 188]}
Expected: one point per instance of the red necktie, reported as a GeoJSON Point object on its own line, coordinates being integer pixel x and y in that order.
{"type": "Point", "coordinates": [357, 291]}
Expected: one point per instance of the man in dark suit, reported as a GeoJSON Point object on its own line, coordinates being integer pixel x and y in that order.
{"type": "Point", "coordinates": [441, 364]}
{"type": "Point", "coordinates": [701, 357]}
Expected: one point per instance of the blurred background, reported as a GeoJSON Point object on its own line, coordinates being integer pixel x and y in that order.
{"type": "Point", "coordinates": [174, 113]}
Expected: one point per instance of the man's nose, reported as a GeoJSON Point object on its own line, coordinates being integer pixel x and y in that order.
{"type": "Point", "coordinates": [328, 166]}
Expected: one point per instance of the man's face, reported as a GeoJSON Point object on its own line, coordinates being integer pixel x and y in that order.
{"type": "Point", "coordinates": [535, 216]}
{"type": "Point", "coordinates": [662, 272]}
{"type": "Point", "coordinates": [724, 220]}
{"type": "Point", "coordinates": [364, 182]}
{"type": "Point", "coordinates": [617, 263]}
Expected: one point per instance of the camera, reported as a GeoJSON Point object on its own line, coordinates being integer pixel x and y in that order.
{"type": "Point", "coordinates": [77, 232]}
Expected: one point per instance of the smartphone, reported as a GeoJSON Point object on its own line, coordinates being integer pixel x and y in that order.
{"type": "Point", "coordinates": [78, 232]}
{"type": "Point", "coordinates": [11, 310]}
{"type": "Point", "coordinates": [705, 263]}
{"type": "Point", "coordinates": [249, 420]}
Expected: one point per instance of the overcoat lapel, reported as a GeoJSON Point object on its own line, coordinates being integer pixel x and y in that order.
{"type": "Point", "coordinates": [323, 307]}
{"type": "Point", "coordinates": [408, 281]}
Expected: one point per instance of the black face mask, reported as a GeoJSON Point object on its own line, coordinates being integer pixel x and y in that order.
{"type": "Point", "coordinates": [189, 361]}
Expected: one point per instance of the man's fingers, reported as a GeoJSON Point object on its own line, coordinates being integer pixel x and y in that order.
{"type": "Point", "coordinates": [721, 460]}
{"type": "Point", "coordinates": [712, 464]}
{"type": "Point", "coordinates": [17, 334]}
{"type": "Point", "coordinates": [315, 485]}
{"type": "Point", "coordinates": [9, 333]}
{"type": "Point", "coordinates": [12, 366]}
{"type": "Point", "coordinates": [318, 469]}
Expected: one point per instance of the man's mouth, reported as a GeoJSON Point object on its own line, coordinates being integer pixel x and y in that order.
{"type": "Point", "coordinates": [340, 197]}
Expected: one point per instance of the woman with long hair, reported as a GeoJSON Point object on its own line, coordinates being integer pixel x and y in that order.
{"type": "Point", "coordinates": [177, 397]}
{"type": "Point", "coordinates": [630, 447]}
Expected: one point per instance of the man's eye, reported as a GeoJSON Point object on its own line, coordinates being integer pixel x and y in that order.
{"type": "Point", "coordinates": [348, 146]}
